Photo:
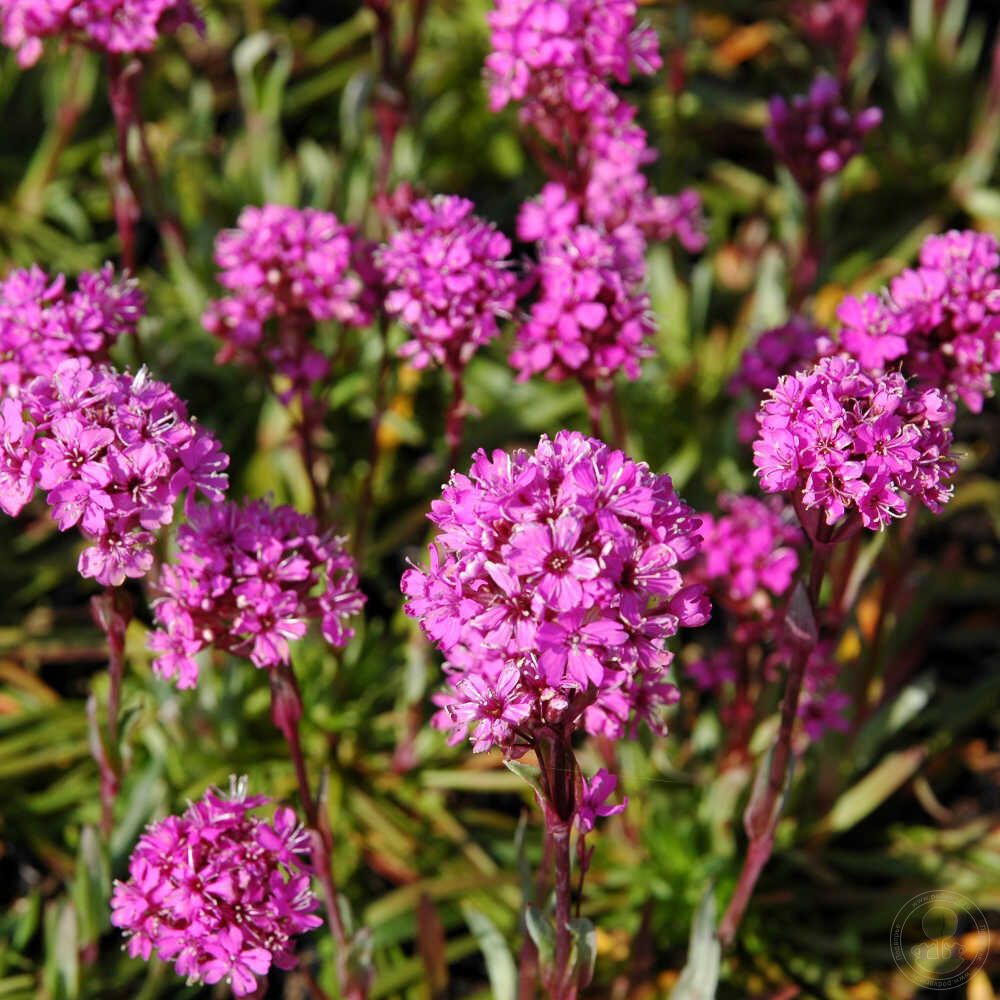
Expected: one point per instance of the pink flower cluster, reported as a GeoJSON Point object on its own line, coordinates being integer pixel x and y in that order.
{"type": "Point", "coordinates": [552, 590]}
{"type": "Point", "coordinates": [449, 280]}
{"type": "Point", "coordinates": [42, 323]}
{"type": "Point", "coordinates": [822, 704]}
{"type": "Point", "coordinates": [591, 317]}
{"type": "Point", "coordinates": [286, 269]}
{"type": "Point", "coordinates": [559, 58]}
{"type": "Point", "coordinates": [841, 441]}
{"type": "Point", "coordinates": [114, 452]}
{"type": "Point", "coordinates": [749, 551]}
{"type": "Point", "coordinates": [779, 351]}
{"type": "Point", "coordinates": [815, 136]}
{"type": "Point", "coordinates": [247, 579]}
{"type": "Point", "coordinates": [219, 892]}
{"type": "Point", "coordinates": [748, 559]}
{"type": "Point", "coordinates": [549, 51]}
{"type": "Point", "coordinates": [940, 322]}
{"type": "Point", "coordinates": [115, 26]}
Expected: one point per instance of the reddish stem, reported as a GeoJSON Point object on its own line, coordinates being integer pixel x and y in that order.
{"type": "Point", "coordinates": [111, 612]}
{"type": "Point", "coordinates": [124, 197]}
{"type": "Point", "coordinates": [761, 817]}
{"type": "Point", "coordinates": [286, 711]}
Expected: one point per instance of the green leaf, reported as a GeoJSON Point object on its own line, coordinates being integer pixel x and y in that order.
{"type": "Point", "coordinates": [527, 773]}
{"type": "Point", "coordinates": [542, 932]}
{"type": "Point", "coordinates": [700, 975]}
{"type": "Point", "coordinates": [500, 965]}
{"type": "Point", "coordinates": [584, 952]}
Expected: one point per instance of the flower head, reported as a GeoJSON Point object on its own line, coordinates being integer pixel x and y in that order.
{"type": "Point", "coordinates": [939, 323]}
{"type": "Point", "coordinates": [748, 552]}
{"type": "Point", "coordinates": [815, 136]}
{"type": "Point", "coordinates": [248, 579]}
{"type": "Point", "coordinates": [449, 280]}
{"type": "Point", "coordinates": [113, 26]}
{"type": "Point", "coordinates": [843, 442]}
{"type": "Point", "coordinates": [42, 322]}
{"type": "Point", "coordinates": [114, 452]}
{"type": "Point", "coordinates": [552, 589]}
{"type": "Point", "coordinates": [219, 892]}
{"type": "Point", "coordinates": [286, 269]}
{"type": "Point", "coordinates": [592, 316]}
{"type": "Point", "coordinates": [593, 802]}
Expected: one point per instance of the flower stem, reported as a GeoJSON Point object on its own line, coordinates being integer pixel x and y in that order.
{"type": "Point", "coordinates": [124, 198]}
{"type": "Point", "coordinates": [286, 711]}
{"type": "Point", "coordinates": [562, 986]}
{"type": "Point", "coordinates": [764, 809]}
{"type": "Point", "coordinates": [111, 612]}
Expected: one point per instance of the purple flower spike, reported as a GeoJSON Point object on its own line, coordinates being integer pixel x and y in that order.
{"type": "Point", "coordinates": [219, 892]}
{"type": "Point", "coordinates": [246, 580]}
{"type": "Point", "coordinates": [552, 590]}
{"type": "Point", "coordinates": [815, 136]}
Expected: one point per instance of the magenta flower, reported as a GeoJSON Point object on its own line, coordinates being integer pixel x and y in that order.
{"type": "Point", "coordinates": [552, 589]}
{"type": "Point", "coordinates": [782, 350]}
{"type": "Point", "coordinates": [940, 323]}
{"type": "Point", "coordinates": [248, 579]}
{"type": "Point", "coordinates": [219, 892]}
{"type": "Point", "coordinates": [114, 452]}
{"type": "Point", "coordinates": [114, 26]}
{"type": "Point", "coordinates": [592, 316]}
{"type": "Point", "coordinates": [842, 442]}
{"type": "Point", "coordinates": [551, 50]}
{"type": "Point", "coordinates": [593, 802]}
{"type": "Point", "coordinates": [449, 280]}
{"type": "Point", "coordinates": [748, 552]}
{"type": "Point", "coordinates": [815, 136]}
{"type": "Point", "coordinates": [43, 324]}
{"type": "Point", "coordinates": [286, 270]}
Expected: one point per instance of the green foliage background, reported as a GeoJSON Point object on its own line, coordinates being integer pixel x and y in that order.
{"type": "Point", "coordinates": [275, 104]}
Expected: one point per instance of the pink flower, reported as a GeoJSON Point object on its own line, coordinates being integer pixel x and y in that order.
{"type": "Point", "coordinates": [248, 579]}
{"type": "Point", "coordinates": [592, 803]}
{"type": "Point", "coordinates": [286, 269]}
{"type": "Point", "coordinates": [551, 590]}
{"type": "Point", "coordinates": [114, 451]}
{"type": "Point", "coordinates": [42, 323]}
{"type": "Point", "coordinates": [114, 26]}
{"type": "Point", "coordinates": [449, 281]}
{"type": "Point", "coordinates": [219, 892]}
{"type": "Point", "coordinates": [846, 443]}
